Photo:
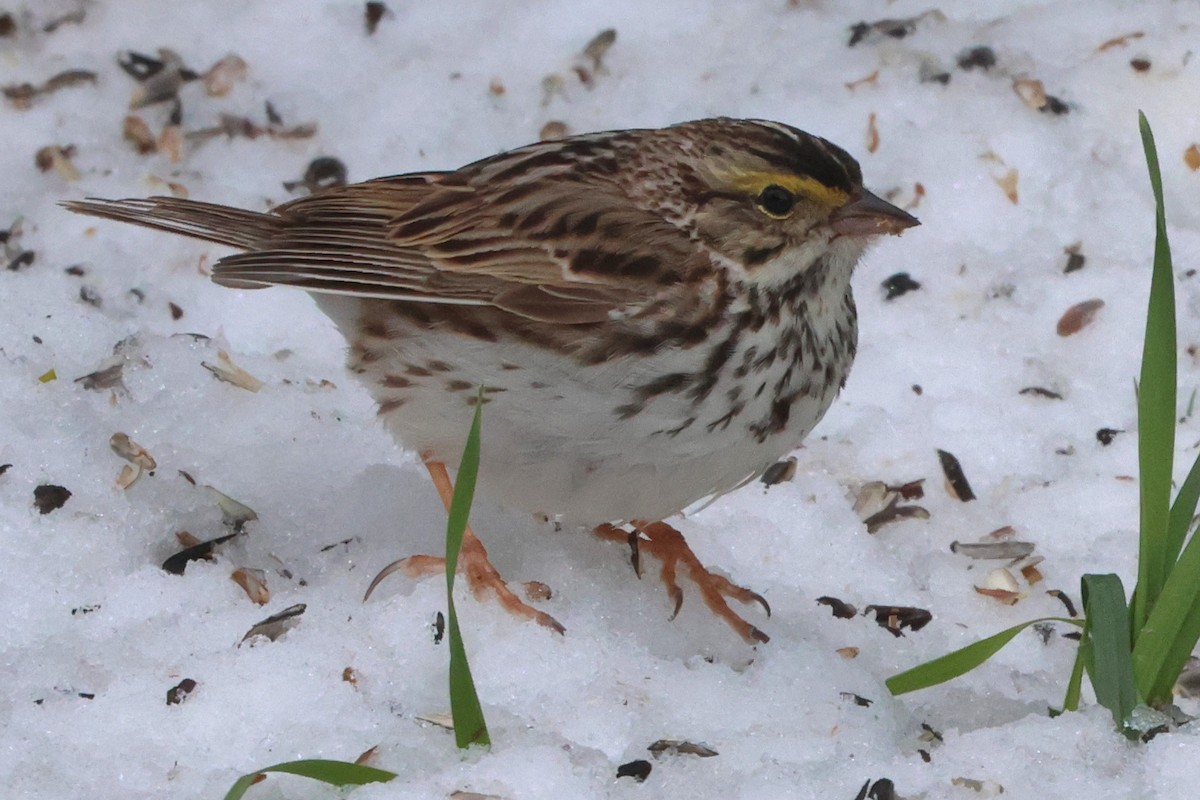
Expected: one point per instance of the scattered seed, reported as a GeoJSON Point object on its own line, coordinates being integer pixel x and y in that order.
{"type": "Point", "coordinates": [138, 133]}
{"type": "Point", "coordinates": [896, 618]}
{"type": "Point", "coordinates": [108, 377]}
{"type": "Point", "coordinates": [639, 770]}
{"type": "Point", "coordinates": [847, 652]}
{"type": "Point", "coordinates": [350, 676]}
{"type": "Point", "coordinates": [554, 129]}
{"type": "Point", "coordinates": [8, 25]}
{"type": "Point", "coordinates": [54, 157]}
{"type": "Point", "coordinates": [21, 260]}
{"type": "Point", "coordinates": [1191, 157]}
{"type": "Point", "coordinates": [322, 173]}
{"type": "Point", "coordinates": [128, 476]}
{"type": "Point", "coordinates": [221, 76]}
{"type": "Point", "coordinates": [598, 47]}
{"type": "Point", "coordinates": [5, 468]}
{"type": "Point", "coordinates": [374, 12]}
{"type": "Point", "coordinates": [225, 370]}
{"type": "Point", "coordinates": [1033, 93]}
{"type": "Point", "coordinates": [932, 71]}
{"type": "Point", "coordinates": [234, 515]}
{"type": "Point", "coordinates": [872, 133]}
{"type": "Point", "coordinates": [89, 295]}
{"type": "Point", "coordinates": [536, 590]}
{"type": "Point", "coordinates": [276, 625]}
{"type": "Point", "coordinates": [203, 551]}
{"type": "Point", "coordinates": [869, 80]}
{"type": "Point", "coordinates": [48, 497]}
{"type": "Point", "coordinates": [898, 285]}
{"type": "Point", "coordinates": [159, 79]}
{"type": "Point", "coordinates": [990, 550]}
{"type": "Point", "coordinates": [439, 627]}
{"type": "Point", "coordinates": [858, 699]}
{"type": "Point", "coordinates": [1066, 601]}
{"type": "Point", "coordinates": [1106, 435]}
{"type": "Point", "coordinates": [913, 490]}
{"type": "Point", "coordinates": [1120, 41]}
{"type": "Point", "coordinates": [1079, 316]}
{"type": "Point", "coordinates": [780, 472]}
{"type": "Point", "coordinates": [894, 513]}
{"type": "Point", "coordinates": [679, 747]}
{"type": "Point", "coordinates": [956, 480]}
{"type": "Point", "coordinates": [438, 719]}
{"type": "Point", "coordinates": [176, 311]}
{"type": "Point", "coordinates": [1041, 391]}
{"type": "Point", "coordinates": [1001, 585]}
{"type": "Point", "coordinates": [22, 95]}
{"type": "Point", "coordinates": [1075, 259]}
{"type": "Point", "coordinates": [882, 789]}
{"type": "Point", "coordinates": [871, 498]}
{"type": "Point", "coordinates": [980, 57]}
{"type": "Point", "coordinates": [840, 608]}
{"type": "Point", "coordinates": [1188, 682]}
{"type": "Point", "coordinates": [70, 18]}
{"type": "Point", "coordinates": [186, 538]}
{"type": "Point", "coordinates": [1140, 64]}
{"type": "Point", "coordinates": [180, 691]}
{"type": "Point", "coordinates": [1008, 184]}
{"type": "Point", "coordinates": [872, 32]}
{"type": "Point", "coordinates": [496, 88]}
{"type": "Point", "coordinates": [253, 583]}
{"type": "Point", "coordinates": [131, 451]}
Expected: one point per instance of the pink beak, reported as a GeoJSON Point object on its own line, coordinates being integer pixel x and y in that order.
{"type": "Point", "coordinates": [866, 214]}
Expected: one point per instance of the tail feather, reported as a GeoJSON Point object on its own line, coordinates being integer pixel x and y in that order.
{"type": "Point", "coordinates": [233, 227]}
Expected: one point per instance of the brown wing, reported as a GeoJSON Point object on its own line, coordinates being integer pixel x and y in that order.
{"type": "Point", "coordinates": [528, 231]}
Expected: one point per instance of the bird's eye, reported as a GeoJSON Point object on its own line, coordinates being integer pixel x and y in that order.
{"type": "Point", "coordinates": [776, 201]}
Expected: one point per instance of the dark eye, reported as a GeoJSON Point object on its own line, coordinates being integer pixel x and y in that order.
{"type": "Point", "coordinates": [776, 201]}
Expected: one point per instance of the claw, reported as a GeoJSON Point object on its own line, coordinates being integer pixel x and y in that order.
{"type": "Point", "coordinates": [667, 544]}
{"type": "Point", "coordinates": [473, 563]}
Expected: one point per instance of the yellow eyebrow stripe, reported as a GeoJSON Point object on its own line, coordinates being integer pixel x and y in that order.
{"type": "Point", "coordinates": [753, 183]}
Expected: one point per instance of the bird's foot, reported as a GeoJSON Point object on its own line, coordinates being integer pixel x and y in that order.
{"type": "Point", "coordinates": [473, 564]}
{"type": "Point", "coordinates": [668, 546]}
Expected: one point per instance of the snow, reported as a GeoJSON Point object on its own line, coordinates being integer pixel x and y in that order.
{"type": "Point", "coordinates": [94, 633]}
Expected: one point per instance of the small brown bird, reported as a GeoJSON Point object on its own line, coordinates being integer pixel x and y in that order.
{"type": "Point", "coordinates": [654, 316]}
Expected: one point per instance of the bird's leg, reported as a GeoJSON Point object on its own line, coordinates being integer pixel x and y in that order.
{"type": "Point", "coordinates": [668, 546]}
{"type": "Point", "coordinates": [473, 562]}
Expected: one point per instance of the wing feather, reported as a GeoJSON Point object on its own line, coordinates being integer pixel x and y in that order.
{"type": "Point", "coordinates": [550, 242]}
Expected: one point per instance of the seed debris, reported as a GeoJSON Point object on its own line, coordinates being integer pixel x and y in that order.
{"type": "Point", "coordinates": [894, 619]}
{"type": "Point", "coordinates": [50, 497]}
{"type": "Point", "coordinates": [276, 625]}
{"type": "Point", "coordinates": [956, 480]}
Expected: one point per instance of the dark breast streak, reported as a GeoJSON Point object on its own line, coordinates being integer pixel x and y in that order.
{"type": "Point", "coordinates": [805, 362]}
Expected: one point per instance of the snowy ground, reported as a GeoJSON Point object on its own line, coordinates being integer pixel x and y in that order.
{"type": "Point", "coordinates": [94, 632]}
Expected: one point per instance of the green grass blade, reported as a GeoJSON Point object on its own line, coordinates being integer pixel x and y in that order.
{"type": "Point", "coordinates": [1172, 630]}
{"type": "Point", "coordinates": [961, 661]}
{"type": "Point", "coordinates": [1107, 653]}
{"type": "Point", "coordinates": [469, 725]}
{"type": "Point", "coordinates": [1156, 406]}
{"type": "Point", "coordinates": [1075, 684]}
{"type": "Point", "coordinates": [335, 773]}
{"type": "Point", "coordinates": [1182, 511]}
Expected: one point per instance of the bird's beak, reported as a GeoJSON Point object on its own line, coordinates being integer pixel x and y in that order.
{"type": "Point", "coordinates": [865, 214]}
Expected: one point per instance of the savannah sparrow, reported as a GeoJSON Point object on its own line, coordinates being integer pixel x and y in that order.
{"type": "Point", "coordinates": [655, 316]}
